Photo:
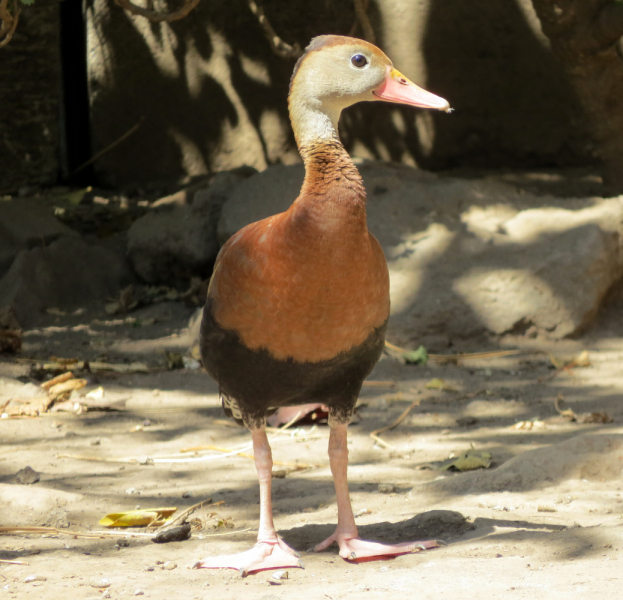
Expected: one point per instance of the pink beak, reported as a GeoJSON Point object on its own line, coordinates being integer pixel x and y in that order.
{"type": "Point", "coordinates": [397, 88]}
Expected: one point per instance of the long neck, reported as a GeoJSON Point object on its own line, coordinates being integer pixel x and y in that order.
{"type": "Point", "coordinates": [330, 174]}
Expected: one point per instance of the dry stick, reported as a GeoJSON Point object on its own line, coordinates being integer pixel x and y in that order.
{"type": "Point", "coordinates": [108, 148]}
{"type": "Point", "coordinates": [467, 355]}
{"type": "Point", "coordinates": [189, 511]}
{"type": "Point", "coordinates": [228, 533]}
{"type": "Point", "coordinates": [361, 7]}
{"type": "Point", "coordinates": [9, 21]}
{"type": "Point", "coordinates": [154, 15]}
{"type": "Point", "coordinates": [279, 47]}
{"type": "Point", "coordinates": [375, 433]}
{"type": "Point", "coordinates": [46, 385]}
{"type": "Point", "coordinates": [12, 562]}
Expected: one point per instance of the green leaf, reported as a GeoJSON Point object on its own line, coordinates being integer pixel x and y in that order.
{"type": "Point", "coordinates": [416, 357]}
{"type": "Point", "coordinates": [469, 461]}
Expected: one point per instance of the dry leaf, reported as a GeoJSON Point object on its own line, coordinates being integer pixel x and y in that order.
{"type": "Point", "coordinates": [60, 389]}
{"type": "Point", "coordinates": [138, 518]}
{"type": "Point", "coordinates": [469, 461]}
{"type": "Point", "coordinates": [440, 384]}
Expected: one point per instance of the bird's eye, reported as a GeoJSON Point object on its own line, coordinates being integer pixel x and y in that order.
{"type": "Point", "coordinates": [359, 61]}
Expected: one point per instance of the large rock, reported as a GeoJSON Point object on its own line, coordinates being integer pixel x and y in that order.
{"type": "Point", "coordinates": [24, 224]}
{"type": "Point", "coordinates": [173, 243]}
{"type": "Point", "coordinates": [469, 256]}
{"type": "Point", "coordinates": [67, 274]}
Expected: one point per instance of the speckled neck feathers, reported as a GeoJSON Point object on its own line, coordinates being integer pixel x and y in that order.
{"type": "Point", "coordinates": [330, 174]}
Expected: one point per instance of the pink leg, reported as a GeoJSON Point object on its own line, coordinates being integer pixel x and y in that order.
{"type": "Point", "coordinates": [352, 547]}
{"type": "Point", "coordinates": [270, 552]}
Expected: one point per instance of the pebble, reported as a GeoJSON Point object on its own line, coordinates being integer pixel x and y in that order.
{"type": "Point", "coordinates": [169, 565]}
{"type": "Point", "coordinates": [27, 476]}
{"type": "Point", "coordinates": [187, 495]}
{"type": "Point", "coordinates": [139, 593]}
{"type": "Point", "coordinates": [149, 568]}
{"type": "Point", "coordinates": [387, 488]}
{"type": "Point", "coordinates": [100, 583]}
{"type": "Point", "coordinates": [32, 578]}
{"type": "Point", "coordinates": [280, 575]}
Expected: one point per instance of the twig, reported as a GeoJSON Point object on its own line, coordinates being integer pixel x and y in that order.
{"type": "Point", "coordinates": [228, 533]}
{"type": "Point", "coordinates": [154, 15]}
{"type": "Point", "coordinates": [98, 458]}
{"type": "Point", "coordinates": [9, 21]}
{"type": "Point", "coordinates": [361, 7]}
{"type": "Point", "coordinates": [110, 147]}
{"type": "Point", "coordinates": [189, 511]}
{"type": "Point", "coordinates": [13, 562]}
{"type": "Point", "coordinates": [279, 47]}
{"type": "Point", "coordinates": [466, 355]}
{"type": "Point", "coordinates": [374, 435]}
{"type": "Point", "coordinates": [563, 413]}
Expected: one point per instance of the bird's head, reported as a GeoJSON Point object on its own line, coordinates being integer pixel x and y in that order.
{"type": "Point", "coordinates": [336, 72]}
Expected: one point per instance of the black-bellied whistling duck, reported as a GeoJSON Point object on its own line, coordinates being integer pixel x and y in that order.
{"type": "Point", "coordinates": [298, 303]}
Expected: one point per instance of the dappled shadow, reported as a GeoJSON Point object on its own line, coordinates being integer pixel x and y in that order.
{"type": "Point", "coordinates": [514, 105]}
{"type": "Point", "coordinates": [212, 95]}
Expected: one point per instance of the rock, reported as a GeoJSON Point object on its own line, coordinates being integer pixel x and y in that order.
{"type": "Point", "coordinates": [469, 256]}
{"type": "Point", "coordinates": [25, 224]}
{"type": "Point", "coordinates": [67, 274]}
{"type": "Point", "coordinates": [175, 243]}
{"type": "Point", "coordinates": [27, 476]}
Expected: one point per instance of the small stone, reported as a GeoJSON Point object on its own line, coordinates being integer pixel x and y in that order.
{"type": "Point", "coordinates": [187, 495]}
{"type": "Point", "coordinates": [280, 575]}
{"type": "Point", "coordinates": [100, 583]}
{"type": "Point", "coordinates": [174, 534]}
{"type": "Point", "coordinates": [169, 565]}
{"type": "Point", "coordinates": [387, 488]}
{"type": "Point", "coordinates": [149, 569]}
{"type": "Point", "coordinates": [123, 543]}
{"type": "Point", "coordinates": [27, 476]}
{"type": "Point", "coordinates": [32, 578]}
{"type": "Point", "coordinates": [139, 593]}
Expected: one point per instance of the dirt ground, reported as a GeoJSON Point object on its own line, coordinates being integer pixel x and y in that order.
{"type": "Point", "coordinates": [544, 521]}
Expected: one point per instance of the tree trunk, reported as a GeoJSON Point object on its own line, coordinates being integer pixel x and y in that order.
{"type": "Point", "coordinates": [584, 35]}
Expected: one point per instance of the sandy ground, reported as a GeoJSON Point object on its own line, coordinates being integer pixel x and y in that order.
{"type": "Point", "coordinates": [545, 521]}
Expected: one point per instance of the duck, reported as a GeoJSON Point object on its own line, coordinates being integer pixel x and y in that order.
{"type": "Point", "coordinates": [298, 303]}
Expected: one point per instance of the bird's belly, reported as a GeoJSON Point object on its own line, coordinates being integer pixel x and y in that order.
{"type": "Point", "coordinates": [256, 382]}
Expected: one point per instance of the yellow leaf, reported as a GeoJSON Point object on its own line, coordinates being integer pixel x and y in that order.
{"type": "Point", "coordinates": [439, 384]}
{"type": "Point", "coordinates": [138, 518]}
